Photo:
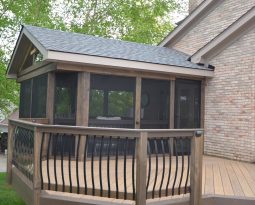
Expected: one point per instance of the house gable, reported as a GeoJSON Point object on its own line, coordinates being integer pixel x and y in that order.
{"type": "Point", "coordinates": [210, 25]}
{"type": "Point", "coordinates": [27, 52]}
{"type": "Point", "coordinates": [227, 37]}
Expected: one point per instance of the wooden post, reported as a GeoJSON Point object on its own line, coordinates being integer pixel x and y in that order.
{"type": "Point", "coordinates": [11, 130]}
{"type": "Point", "coordinates": [171, 104]}
{"type": "Point", "coordinates": [141, 166]}
{"type": "Point", "coordinates": [138, 92]}
{"type": "Point", "coordinates": [37, 177]}
{"type": "Point", "coordinates": [202, 112]}
{"type": "Point", "coordinates": [50, 97]}
{"type": "Point", "coordinates": [196, 169]}
{"type": "Point", "coordinates": [82, 112]}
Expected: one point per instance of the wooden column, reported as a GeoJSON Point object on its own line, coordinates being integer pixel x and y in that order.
{"type": "Point", "coordinates": [171, 104]}
{"type": "Point", "coordinates": [11, 130]}
{"type": "Point", "coordinates": [82, 112]}
{"type": "Point", "coordinates": [138, 92]}
{"type": "Point", "coordinates": [37, 178]}
{"type": "Point", "coordinates": [141, 166]}
{"type": "Point", "coordinates": [196, 169]}
{"type": "Point", "coordinates": [202, 109]}
{"type": "Point", "coordinates": [50, 97]}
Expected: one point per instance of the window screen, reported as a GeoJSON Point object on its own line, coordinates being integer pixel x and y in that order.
{"type": "Point", "coordinates": [187, 103]}
{"type": "Point", "coordinates": [111, 101]}
{"type": "Point", "coordinates": [39, 97]}
{"type": "Point", "coordinates": [155, 104]}
{"type": "Point", "coordinates": [25, 99]}
{"type": "Point", "coordinates": [65, 98]}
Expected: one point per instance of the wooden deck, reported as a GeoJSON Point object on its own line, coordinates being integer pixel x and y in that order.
{"type": "Point", "coordinates": [220, 177]}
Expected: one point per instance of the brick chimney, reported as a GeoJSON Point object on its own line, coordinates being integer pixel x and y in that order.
{"type": "Point", "coordinates": [193, 4]}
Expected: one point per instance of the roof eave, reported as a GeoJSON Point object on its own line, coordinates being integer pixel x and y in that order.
{"type": "Point", "coordinates": [188, 22]}
{"type": "Point", "coordinates": [243, 25]}
{"type": "Point", "coordinates": [55, 56]}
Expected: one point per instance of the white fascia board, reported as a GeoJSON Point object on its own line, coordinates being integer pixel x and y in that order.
{"type": "Point", "coordinates": [55, 56]}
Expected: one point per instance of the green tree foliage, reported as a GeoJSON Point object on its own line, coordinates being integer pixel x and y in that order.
{"type": "Point", "coordinates": [145, 21]}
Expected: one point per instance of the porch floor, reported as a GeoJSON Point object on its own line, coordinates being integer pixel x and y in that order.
{"type": "Point", "coordinates": [220, 177]}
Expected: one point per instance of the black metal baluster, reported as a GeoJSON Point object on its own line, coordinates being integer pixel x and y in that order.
{"type": "Point", "coordinates": [41, 152]}
{"type": "Point", "coordinates": [116, 168]}
{"type": "Point", "coordinates": [187, 176]}
{"type": "Point", "coordinates": [92, 165]}
{"type": "Point", "coordinates": [156, 171]}
{"type": "Point", "coordinates": [176, 168]}
{"type": "Point", "coordinates": [133, 168]}
{"type": "Point", "coordinates": [100, 166]}
{"type": "Point", "coordinates": [48, 167]}
{"type": "Point", "coordinates": [69, 164]}
{"type": "Point", "coordinates": [62, 163]}
{"type": "Point", "coordinates": [149, 170]}
{"type": "Point", "coordinates": [84, 165]}
{"type": "Point", "coordinates": [179, 189]}
{"type": "Point", "coordinates": [170, 166]}
{"type": "Point", "coordinates": [163, 172]}
{"type": "Point", "coordinates": [55, 155]}
{"type": "Point", "coordinates": [77, 164]}
{"type": "Point", "coordinates": [125, 168]}
{"type": "Point", "coordinates": [108, 166]}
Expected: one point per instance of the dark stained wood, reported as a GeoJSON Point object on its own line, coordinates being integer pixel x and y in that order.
{"type": "Point", "coordinates": [138, 102]}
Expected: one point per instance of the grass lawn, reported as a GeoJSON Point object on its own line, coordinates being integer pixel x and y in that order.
{"type": "Point", "coordinates": [7, 195]}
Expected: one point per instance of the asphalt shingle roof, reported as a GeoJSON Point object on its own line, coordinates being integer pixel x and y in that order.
{"type": "Point", "coordinates": [68, 42]}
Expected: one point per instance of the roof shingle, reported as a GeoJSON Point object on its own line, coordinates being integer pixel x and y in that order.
{"type": "Point", "coordinates": [68, 42]}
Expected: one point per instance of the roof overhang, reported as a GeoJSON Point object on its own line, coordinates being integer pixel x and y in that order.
{"type": "Point", "coordinates": [24, 42]}
{"type": "Point", "coordinates": [189, 22]}
{"type": "Point", "coordinates": [98, 61]}
{"type": "Point", "coordinates": [243, 25]}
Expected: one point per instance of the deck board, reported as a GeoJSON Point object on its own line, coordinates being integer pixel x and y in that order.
{"type": "Point", "coordinates": [219, 176]}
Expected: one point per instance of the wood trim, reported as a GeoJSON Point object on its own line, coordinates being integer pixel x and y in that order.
{"type": "Point", "coordinates": [82, 111]}
{"type": "Point", "coordinates": [193, 19]}
{"type": "Point", "coordinates": [33, 68]}
{"type": "Point", "coordinates": [41, 70]}
{"type": "Point", "coordinates": [141, 168]}
{"type": "Point", "coordinates": [36, 120]}
{"type": "Point", "coordinates": [50, 97]}
{"type": "Point", "coordinates": [36, 176]}
{"type": "Point", "coordinates": [196, 170]}
{"type": "Point", "coordinates": [138, 93]}
{"type": "Point", "coordinates": [112, 71]}
{"type": "Point", "coordinates": [172, 104]}
{"type": "Point", "coordinates": [126, 65]}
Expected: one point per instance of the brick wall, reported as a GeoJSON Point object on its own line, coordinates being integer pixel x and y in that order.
{"type": "Point", "coordinates": [193, 4]}
{"type": "Point", "coordinates": [214, 23]}
{"type": "Point", "coordinates": [230, 102]}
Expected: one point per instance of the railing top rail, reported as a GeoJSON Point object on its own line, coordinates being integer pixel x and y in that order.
{"type": "Point", "coordinates": [127, 132]}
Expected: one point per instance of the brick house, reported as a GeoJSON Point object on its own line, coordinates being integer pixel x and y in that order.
{"type": "Point", "coordinates": [217, 35]}
{"type": "Point", "coordinates": [222, 33]}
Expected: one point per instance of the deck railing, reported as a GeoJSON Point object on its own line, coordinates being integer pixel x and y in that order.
{"type": "Point", "coordinates": [133, 164]}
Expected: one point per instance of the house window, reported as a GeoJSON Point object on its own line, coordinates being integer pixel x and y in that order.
{"type": "Point", "coordinates": [111, 101]}
{"type": "Point", "coordinates": [33, 96]}
{"type": "Point", "coordinates": [65, 98]}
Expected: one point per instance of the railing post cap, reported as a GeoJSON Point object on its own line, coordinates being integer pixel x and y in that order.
{"type": "Point", "coordinates": [199, 133]}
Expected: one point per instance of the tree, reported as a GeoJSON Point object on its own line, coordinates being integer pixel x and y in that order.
{"type": "Point", "coordinates": [133, 20]}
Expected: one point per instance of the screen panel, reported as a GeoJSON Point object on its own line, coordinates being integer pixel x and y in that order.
{"type": "Point", "coordinates": [25, 99]}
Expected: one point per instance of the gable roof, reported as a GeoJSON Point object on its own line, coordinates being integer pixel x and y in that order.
{"type": "Point", "coordinates": [241, 26]}
{"type": "Point", "coordinates": [192, 19]}
{"type": "Point", "coordinates": [53, 43]}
